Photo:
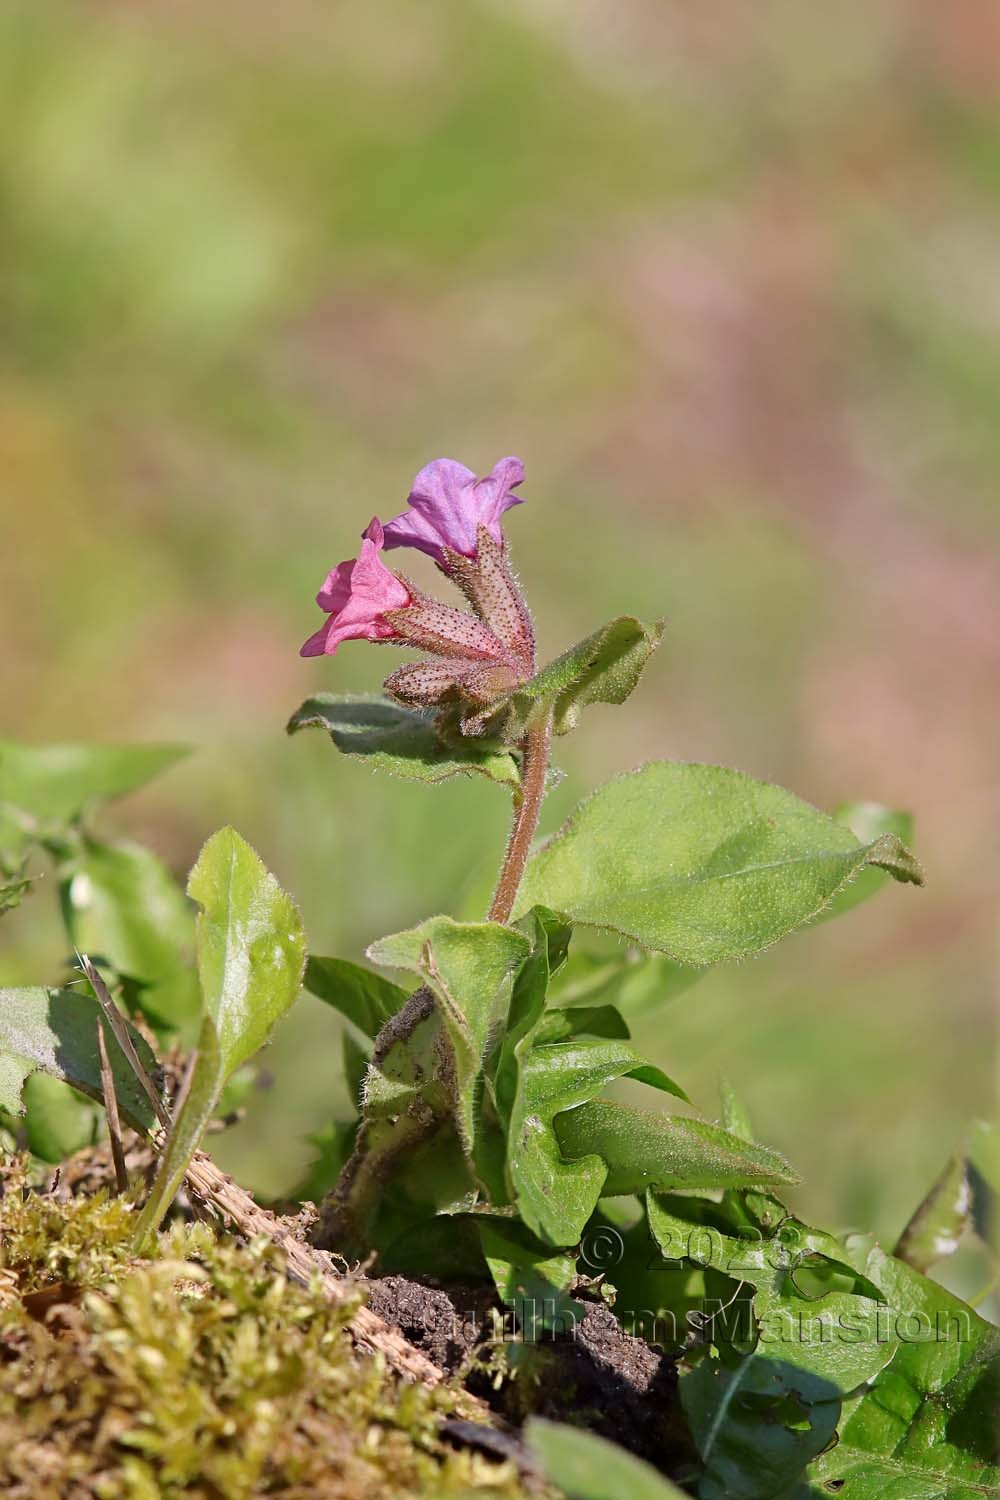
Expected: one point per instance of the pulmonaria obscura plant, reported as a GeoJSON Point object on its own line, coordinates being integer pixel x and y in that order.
{"type": "Point", "coordinates": [484, 1145]}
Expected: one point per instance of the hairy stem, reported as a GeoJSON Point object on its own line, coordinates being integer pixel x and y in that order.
{"type": "Point", "coordinates": [346, 1213]}
{"type": "Point", "coordinates": [534, 765]}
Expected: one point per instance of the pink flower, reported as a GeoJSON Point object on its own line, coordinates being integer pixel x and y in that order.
{"type": "Point", "coordinates": [448, 504]}
{"type": "Point", "coordinates": [356, 596]}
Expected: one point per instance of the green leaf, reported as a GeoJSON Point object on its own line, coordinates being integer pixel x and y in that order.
{"type": "Point", "coordinates": [365, 998]}
{"type": "Point", "coordinates": [13, 889]}
{"type": "Point", "coordinates": [926, 1426]}
{"type": "Point", "coordinates": [403, 741]}
{"type": "Point", "coordinates": [587, 1467]}
{"type": "Point", "coordinates": [58, 1120]}
{"type": "Point", "coordinates": [940, 1220]}
{"type": "Point", "coordinates": [603, 668]}
{"type": "Point", "coordinates": [534, 1283]}
{"type": "Point", "coordinates": [640, 1149]}
{"type": "Point", "coordinates": [251, 954]}
{"type": "Point", "coordinates": [539, 1074]}
{"type": "Point", "coordinates": [55, 1032]}
{"type": "Point", "coordinates": [121, 902]}
{"type": "Point", "coordinates": [467, 966]}
{"type": "Point", "coordinates": [56, 783]}
{"type": "Point", "coordinates": [700, 862]}
{"type": "Point", "coordinates": [758, 1424]}
{"type": "Point", "coordinates": [635, 982]}
{"type": "Point", "coordinates": [868, 821]}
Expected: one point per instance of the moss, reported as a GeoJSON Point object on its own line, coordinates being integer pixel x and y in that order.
{"type": "Point", "coordinates": [203, 1372]}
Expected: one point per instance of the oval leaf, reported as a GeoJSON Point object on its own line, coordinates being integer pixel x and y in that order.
{"type": "Point", "coordinates": [700, 862]}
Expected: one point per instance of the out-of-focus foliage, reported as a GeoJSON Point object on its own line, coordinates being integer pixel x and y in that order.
{"type": "Point", "coordinates": [729, 290]}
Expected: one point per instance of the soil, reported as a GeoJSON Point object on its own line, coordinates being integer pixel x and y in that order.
{"type": "Point", "coordinates": [595, 1375]}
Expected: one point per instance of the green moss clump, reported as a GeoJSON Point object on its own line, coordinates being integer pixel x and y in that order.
{"type": "Point", "coordinates": [204, 1372]}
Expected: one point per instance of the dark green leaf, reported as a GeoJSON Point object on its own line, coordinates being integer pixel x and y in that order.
{"type": "Point", "coordinates": [55, 1032]}
{"type": "Point", "coordinates": [251, 953]}
{"type": "Point", "coordinates": [403, 741]}
{"type": "Point", "coordinates": [56, 783]}
{"type": "Point", "coordinates": [603, 668]}
{"type": "Point", "coordinates": [939, 1221]}
{"type": "Point", "coordinates": [121, 902]}
{"type": "Point", "coordinates": [587, 1467]}
{"type": "Point", "coordinates": [57, 1120]}
{"type": "Point", "coordinates": [641, 1149]}
{"type": "Point", "coordinates": [534, 1283]}
{"type": "Point", "coordinates": [365, 998]}
{"type": "Point", "coordinates": [926, 1426]}
{"type": "Point", "coordinates": [700, 862]}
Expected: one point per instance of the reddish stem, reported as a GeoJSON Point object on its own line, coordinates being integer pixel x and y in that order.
{"type": "Point", "coordinates": [534, 766]}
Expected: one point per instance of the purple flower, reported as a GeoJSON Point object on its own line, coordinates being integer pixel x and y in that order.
{"type": "Point", "coordinates": [448, 504]}
{"type": "Point", "coordinates": [356, 596]}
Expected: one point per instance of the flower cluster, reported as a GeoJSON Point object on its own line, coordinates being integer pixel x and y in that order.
{"type": "Point", "coordinates": [454, 518]}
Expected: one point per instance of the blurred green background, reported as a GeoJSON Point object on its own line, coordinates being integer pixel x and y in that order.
{"type": "Point", "coordinates": [724, 278]}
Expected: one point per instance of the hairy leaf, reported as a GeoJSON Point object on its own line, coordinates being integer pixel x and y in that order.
{"type": "Point", "coordinates": [868, 821]}
{"type": "Point", "coordinates": [603, 668]}
{"type": "Point", "coordinates": [467, 967]}
{"type": "Point", "coordinates": [700, 862]}
{"type": "Point", "coordinates": [587, 1467]}
{"type": "Point", "coordinates": [56, 783]}
{"type": "Point", "coordinates": [641, 1149]}
{"type": "Point", "coordinates": [55, 1032]}
{"type": "Point", "coordinates": [251, 953]}
{"type": "Point", "coordinates": [403, 741]}
{"type": "Point", "coordinates": [365, 998]}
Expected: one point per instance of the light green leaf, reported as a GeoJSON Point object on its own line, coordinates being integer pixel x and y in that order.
{"type": "Point", "coordinates": [57, 1120]}
{"type": "Point", "coordinates": [251, 953]}
{"type": "Point", "coordinates": [467, 966]}
{"type": "Point", "coordinates": [120, 901]}
{"type": "Point", "coordinates": [13, 889]}
{"type": "Point", "coordinates": [603, 668]}
{"type": "Point", "coordinates": [403, 741]}
{"type": "Point", "coordinates": [365, 998]}
{"type": "Point", "coordinates": [55, 1032]}
{"type": "Point", "coordinates": [56, 783]}
{"type": "Point", "coordinates": [587, 1467]}
{"type": "Point", "coordinates": [700, 862]}
{"type": "Point", "coordinates": [641, 1149]}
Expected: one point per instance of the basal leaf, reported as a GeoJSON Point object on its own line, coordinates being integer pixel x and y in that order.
{"type": "Point", "coordinates": [587, 1467]}
{"type": "Point", "coordinates": [467, 966]}
{"type": "Point", "coordinates": [641, 1149]}
{"type": "Point", "coordinates": [55, 1032]}
{"type": "Point", "coordinates": [926, 1426]}
{"type": "Point", "coordinates": [603, 668]}
{"type": "Point", "coordinates": [251, 952]}
{"type": "Point", "coordinates": [121, 902]}
{"type": "Point", "coordinates": [365, 998]}
{"type": "Point", "coordinates": [700, 862]}
{"type": "Point", "coordinates": [403, 741]}
{"type": "Point", "coordinates": [56, 783]}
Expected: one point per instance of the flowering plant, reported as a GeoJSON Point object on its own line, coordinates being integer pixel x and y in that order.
{"type": "Point", "coordinates": [483, 1146]}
